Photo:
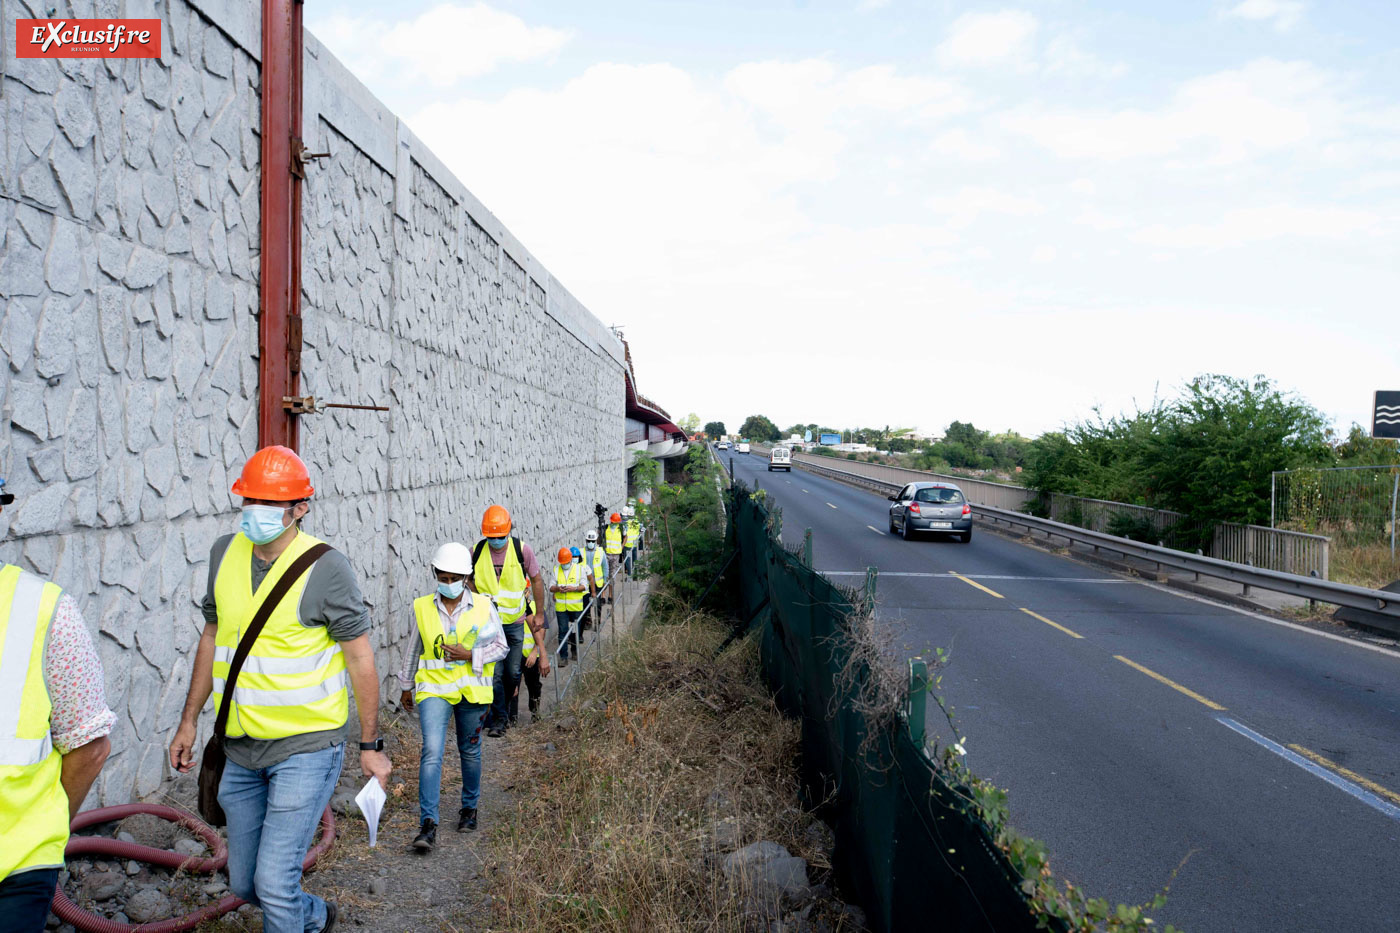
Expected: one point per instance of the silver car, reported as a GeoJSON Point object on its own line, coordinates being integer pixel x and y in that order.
{"type": "Point", "coordinates": [937, 507]}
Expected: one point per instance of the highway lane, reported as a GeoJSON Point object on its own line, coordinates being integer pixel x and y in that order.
{"type": "Point", "coordinates": [1133, 725]}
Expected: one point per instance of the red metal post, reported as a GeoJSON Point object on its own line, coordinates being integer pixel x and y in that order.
{"type": "Point", "coordinates": [279, 283]}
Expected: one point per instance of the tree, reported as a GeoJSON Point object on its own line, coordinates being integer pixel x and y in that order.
{"type": "Point", "coordinates": [690, 423]}
{"type": "Point", "coordinates": [715, 429]}
{"type": "Point", "coordinates": [759, 428]}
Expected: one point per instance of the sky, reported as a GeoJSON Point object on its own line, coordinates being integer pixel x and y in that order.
{"type": "Point", "coordinates": [888, 212]}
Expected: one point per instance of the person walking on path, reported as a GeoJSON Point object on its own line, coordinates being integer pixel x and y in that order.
{"type": "Point", "coordinates": [504, 568]}
{"type": "Point", "coordinates": [612, 543]}
{"type": "Point", "coordinates": [54, 724]}
{"type": "Point", "coordinates": [596, 570]}
{"type": "Point", "coordinates": [285, 737]}
{"type": "Point", "coordinates": [568, 590]}
{"type": "Point", "coordinates": [631, 536]}
{"type": "Point", "coordinates": [530, 674]}
{"type": "Point", "coordinates": [450, 669]}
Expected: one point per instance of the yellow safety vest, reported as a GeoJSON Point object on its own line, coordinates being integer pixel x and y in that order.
{"type": "Point", "coordinates": [33, 805]}
{"type": "Point", "coordinates": [634, 531]}
{"type": "Point", "coordinates": [600, 567]}
{"type": "Point", "coordinates": [437, 676]}
{"type": "Point", "coordinates": [529, 644]}
{"type": "Point", "coordinates": [612, 538]}
{"type": "Point", "coordinates": [294, 680]}
{"type": "Point", "coordinates": [508, 590]}
{"type": "Point", "coordinates": [568, 602]}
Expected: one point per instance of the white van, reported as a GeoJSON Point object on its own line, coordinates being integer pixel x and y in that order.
{"type": "Point", "coordinates": [743, 447]}
{"type": "Point", "coordinates": [779, 458]}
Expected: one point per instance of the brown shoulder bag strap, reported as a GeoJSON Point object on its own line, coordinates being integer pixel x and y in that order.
{"type": "Point", "coordinates": [260, 617]}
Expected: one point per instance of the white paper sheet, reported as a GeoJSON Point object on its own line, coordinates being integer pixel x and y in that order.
{"type": "Point", "coordinates": [370, 800]}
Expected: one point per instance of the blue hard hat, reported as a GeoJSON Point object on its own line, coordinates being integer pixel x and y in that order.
{"type": "Point", "coordinates": [5, 497]}
{"type": "Point", "coordinates": [578, 555]}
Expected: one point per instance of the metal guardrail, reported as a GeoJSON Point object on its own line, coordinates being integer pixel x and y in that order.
{"type": "Point", "coordinates": [1275, 548]}
{"type": "Point", "coordinates": [1314, 588]}
{"type": "Point", "coordinates": [1002, 495]}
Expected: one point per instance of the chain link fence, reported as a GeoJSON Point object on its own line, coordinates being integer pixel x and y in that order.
{"type": "Point", "coordinates": [1355, 506]}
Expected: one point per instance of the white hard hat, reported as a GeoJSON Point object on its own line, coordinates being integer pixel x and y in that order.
{"type": "Point", "coordinates": [453, 557]}
{"type": "Point", "coordinates": [628, 511]}
{"type": "Point", "coordinates": [591, 536]}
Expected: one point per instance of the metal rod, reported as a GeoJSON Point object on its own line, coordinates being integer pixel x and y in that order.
{"type": "Point", "coordinates": [357, 407]}
{"type": "Point", "coordinates": [1394, 494]}
{"type": "Point", "coordinates": [1273, 496]}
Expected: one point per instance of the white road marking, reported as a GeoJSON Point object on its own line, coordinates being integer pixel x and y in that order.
{"type": "Point", "coordinates": [804, 490]}
{"type": "Point", "coordinates": [1379, 649]}
{"type": "Point", "coordinates": [829, 505]}
{"type": "Point", "coordinates": [973, 576]}
{"type": "Point", "coordinates": [1336, 780]}
{"type": "Point", "coordinates": [874, 529]}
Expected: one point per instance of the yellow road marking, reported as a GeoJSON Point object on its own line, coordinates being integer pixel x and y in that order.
{"type": "Point", "coordinates": [1035, 615]}
{"type": "Point", "coordinates": [1331, 765]}
{"type": "Point", "coordinates": [978, 585]}
{"type": "Point", "coordinates": [1170, 683]}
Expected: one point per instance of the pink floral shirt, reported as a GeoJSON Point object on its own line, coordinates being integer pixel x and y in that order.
{"type": "Point", "coordinates": [73, 675]}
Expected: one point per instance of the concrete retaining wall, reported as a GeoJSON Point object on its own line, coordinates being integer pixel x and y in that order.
{"type": "Point", "coordinates": [128, 285]}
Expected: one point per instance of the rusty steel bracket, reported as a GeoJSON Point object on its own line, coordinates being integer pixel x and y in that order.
{"type": "Point", "coordinates": [300, 156]}
{"type": "Point", "coordinates": [307, 405]}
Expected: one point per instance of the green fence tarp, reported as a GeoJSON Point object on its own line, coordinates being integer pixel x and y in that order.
{"type": "Point", "coordinates": [909, 848]}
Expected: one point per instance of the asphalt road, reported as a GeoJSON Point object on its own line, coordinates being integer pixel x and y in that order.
{"type": "Point", "coordinates": [1133, 725]}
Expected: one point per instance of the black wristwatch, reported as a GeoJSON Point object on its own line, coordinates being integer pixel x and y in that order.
{"type": "Point", "coordinates": [376, 746]}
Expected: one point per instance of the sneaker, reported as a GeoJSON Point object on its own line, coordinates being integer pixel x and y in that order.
{"type": "Point", "coordinates": [466, 819]}
{"type": "Point", "coordinates": [427, 837]}
{"type": "Point", "coordinates": [495, 732]}
{"type": "Point", "coordinates": [331, 912]}
{"type": "Point", "coordinates": [563, 662]}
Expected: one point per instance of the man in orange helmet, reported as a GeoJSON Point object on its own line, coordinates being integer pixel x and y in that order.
{"type": "Point", "coordinates": [505, 568]}
{"type": "Point", "coordinates": [568, 589]}
{"type": "Point", "coordinates": [284, 722]}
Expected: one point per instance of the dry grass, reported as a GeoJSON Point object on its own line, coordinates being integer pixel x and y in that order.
{"type": "Point", "coordinates": [1368, 565]}
{"type": "Point", "coordinates": [615, 829]}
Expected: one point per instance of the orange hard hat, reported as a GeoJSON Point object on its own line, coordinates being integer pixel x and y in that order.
{"type": "Point", "coordinates": [565, 555]}
{"type": "Point", "coordinates": [496, 522]}
{"type": "Point", "coordinates": [276, 474]}
{"type": "Point", "coordinates": [614, 517]}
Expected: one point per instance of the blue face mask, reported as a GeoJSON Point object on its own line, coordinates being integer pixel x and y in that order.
{"type": "Point", "coordinates": [591, 545]}
{"type": "Point", "coordinates": [262, 523]}
{"type": "Point", "coordinates": [497, 543]}
{"type": "Point", "coordinates": [451, 590]}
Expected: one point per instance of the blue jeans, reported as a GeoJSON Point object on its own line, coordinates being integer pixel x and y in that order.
{"type": "Point", "coordinates": [272, 816]}
{"type": "Point", "coordinates": [433, 714]}
{"type": "Point", "coordinates": [504, 703]}
{"type": "Point", "coordinates": [25, 899]}
{"type": "Point", "coordinates": [568, 621]}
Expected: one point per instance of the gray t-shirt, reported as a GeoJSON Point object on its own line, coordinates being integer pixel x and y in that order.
{"type": "Point", "coordinates": [332, 598]}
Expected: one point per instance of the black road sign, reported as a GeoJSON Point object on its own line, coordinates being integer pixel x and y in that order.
{"type": "Point", "coordinates": [1386, 420]}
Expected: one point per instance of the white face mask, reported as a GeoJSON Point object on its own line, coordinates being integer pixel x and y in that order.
{"type": "Point", "coordinates": [262, 524]}
{"type": "Point", "coordinates": [452, 590]}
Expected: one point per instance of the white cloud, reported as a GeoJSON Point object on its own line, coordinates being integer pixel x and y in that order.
{"type": "Point", "coordinates": [1284, 14]}
{"type": "Point", "coordinates": [867, 5]}
{"type": "Point", "coordinates": [1064, 56]}
{"type": "Point", "coordinates": [1232, 116]}
{"type": "Point", "coordinates": [441, 46]}
{"type": "Point", "coordinates": [960, 144]}
{"type": "Point", "coordinates": [1244, 226]}
{"type": "Point", "coordinates": [970, 202]}
{"type": "Point", "coordinates": [981, 39]}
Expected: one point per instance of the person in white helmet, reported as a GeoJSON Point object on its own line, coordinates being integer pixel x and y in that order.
{"type": "Point", "coordinates": [447, 674]}
{"type": "Point", "coordinates": [595, 565]}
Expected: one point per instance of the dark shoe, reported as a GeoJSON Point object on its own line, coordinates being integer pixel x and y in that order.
{"type": "Point", "coordinates": [331, 913]}
{"type": "Point", "coordinates": [466, 819]}
{"type": "Point", "coordinates": [495, 732]}
{"type": "Point", "coordinates": [427, 837]}
{"type": "Point", "coordinates": [534, 708]}
{"type": "Point", "coordinates": [514, 721]}
{"type": "Point", "coordinates": [563, 662]}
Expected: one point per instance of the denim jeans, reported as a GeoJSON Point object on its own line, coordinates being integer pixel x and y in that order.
{"type": "Point", "coordinates": [433, 715]}
{"type": "Point", "coordinates": [25, 899]}
{"type": "Point", "coordinates": [272, 816]}
{"type": "Point", "coordinates": [568, 622]}
{"type": "Point", "coordinates": [504, 705]}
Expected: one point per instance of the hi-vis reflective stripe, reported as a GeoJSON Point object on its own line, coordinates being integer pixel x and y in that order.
{"type": "Point", "coordinates": [14, 667]}
{"type": "Point", "coordinates": [435, 665]}
{"type": "Point", "coordinates": [452, 689]}
{"type": "Point", "coordinates": [514, 596]}
{"type": "Point", "coordinates": [302, 696]}
{"type": "Point", "coordinates": [275, 666]}
{"type": "Point", "coordinates": [25, 752]}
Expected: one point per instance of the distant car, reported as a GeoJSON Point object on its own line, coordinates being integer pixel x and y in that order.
{"type": "Point", "coordinates": [779, 458]}
{"type": "Point", "coordinates": [722, 445]}
{"type": "Point", "coordinates": [935, 507]}
{"type": "Point", "coordinates": [743, 447]}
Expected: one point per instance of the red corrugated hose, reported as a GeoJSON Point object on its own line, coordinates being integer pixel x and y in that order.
{"type": "Point", "coordinates": [69, 912]}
